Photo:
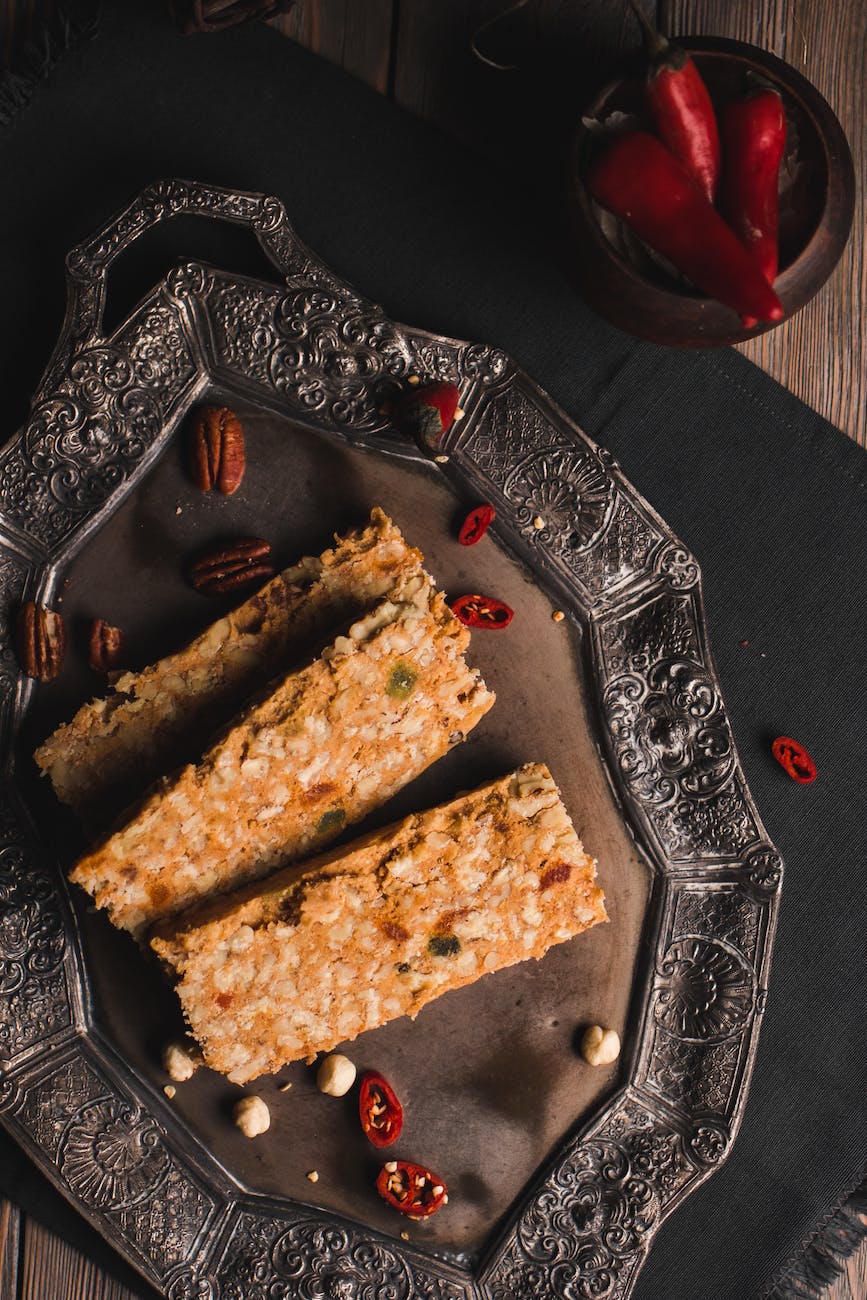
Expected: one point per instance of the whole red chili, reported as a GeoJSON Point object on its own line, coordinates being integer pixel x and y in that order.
{"type": "Point", "coordinates": [754, 135]}
{"type": "Point", "coordinates": [637, 179]}
{"type": "Point", "coordinates": [428, 411]}
{"type": "Point", "coordinates": [415, 1191]}
{"type": "Point", "coordinates": [482, 611]}
{"type": "Point", "coordinates": [476, 524]}
{"type": "Point", "coordinates": [794, 759]}
{"type": "Point", "coordinates": [380, 1111]}
{"type": "Point", "coordinates": [681, 107]}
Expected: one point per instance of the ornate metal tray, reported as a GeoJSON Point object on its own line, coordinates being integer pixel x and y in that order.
{"type": "Point", "coordinates": [197, 1216]}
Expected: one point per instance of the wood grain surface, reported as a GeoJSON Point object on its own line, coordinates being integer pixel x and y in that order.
{"type": "Point", "coordinates": [821, 354]}
{"type": "Point", "coordinates": [17, 18]}
{"type": "Point", "coordinates": [51, 1269]}
{"type": "Point", "coordinates": [418, 53]}
{"type": "Point", "coordinates": [357, 37]}
{"type": "Point", "coordinates": [852, 1284]}
{"type": "Point", "coordinates": [10, 1225]}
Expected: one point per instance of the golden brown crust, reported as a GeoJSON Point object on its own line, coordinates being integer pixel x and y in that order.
{"type": "Point", "coordinates": [322, 952]}
{"type": "Point", "coordinates": [327, 745]}
{"type": "Point", "coordinates": [116, 746]}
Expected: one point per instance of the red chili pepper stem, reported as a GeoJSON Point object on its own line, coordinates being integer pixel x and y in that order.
{"type": "Point", "coordinates": [427, 412]}
{"type": "Point", "coordinates": [681, 107]}
{"type": "Point", "coordinates": [657, 45]}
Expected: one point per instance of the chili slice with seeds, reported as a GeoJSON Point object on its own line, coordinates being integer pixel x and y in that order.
{"type": "Point", "coordinates": [476, 524]}
{"type": "Point", "coordinates": [794, 759]}
{"type": "Point", "coordinates": [380, 1111]}
{"type": "Point", "coordinates": [482, 611]}
{"type": "Point", "coordinates": [413, 1190]}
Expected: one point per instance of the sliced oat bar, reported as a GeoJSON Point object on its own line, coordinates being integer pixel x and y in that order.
{"type": "Point", "coordinates": [152, 720]}
{"type": "Point", "coordinates": [331, 742]}
{"type": "Point", "coordinates": [320, 952]}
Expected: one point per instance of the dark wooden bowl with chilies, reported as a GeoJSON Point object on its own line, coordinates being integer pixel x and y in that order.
{"type": "Point", "coordinates": [639, 290]}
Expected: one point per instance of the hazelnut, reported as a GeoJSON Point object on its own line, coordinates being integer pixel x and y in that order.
{"type": "Point", "coordinates": [181, 1060]}
{"type": "Point", "coordinates": [600, 1046]}
{"type": "Point", "coordinates": [336, 1075]}
{"type": "Point", "coordinates": [252, 1116]}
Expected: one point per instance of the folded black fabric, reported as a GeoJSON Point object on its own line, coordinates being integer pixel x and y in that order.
{"type": "Point", "coordinates": [769, 497]}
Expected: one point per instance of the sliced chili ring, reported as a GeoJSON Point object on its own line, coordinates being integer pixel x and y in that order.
{"type": "Point", "coordinates": [413, 1190]}
{"type": "Point", "coordinates": [794, 759]}
{"type": "Point", "coordinates": [482, 611]}
{"type": "Point", "coordinates": [476, 524]}
{"type": "Point", "coordinates": [380, 1111]}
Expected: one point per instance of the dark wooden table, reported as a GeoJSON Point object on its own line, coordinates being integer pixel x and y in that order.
{"type": "Point", "coordinates": [417, 53]}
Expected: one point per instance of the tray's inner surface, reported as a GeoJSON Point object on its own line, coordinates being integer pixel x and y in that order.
{"type": "Point", "coordinates": [490, 1076]}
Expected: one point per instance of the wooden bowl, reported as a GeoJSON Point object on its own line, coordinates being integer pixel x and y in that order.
{"type": "Point", "coordinates": [640, 293]}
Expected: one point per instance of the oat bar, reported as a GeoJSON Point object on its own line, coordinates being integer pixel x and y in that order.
{"type": "Point", "coordinates": [152, 720]}
{"type": "Point", "coordinates": [320, 952]}
{"type": "Point", "coordinates": [331, 742]}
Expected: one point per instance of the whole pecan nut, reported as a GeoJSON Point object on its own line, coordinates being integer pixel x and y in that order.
{"type": "Point", "coordinates": [233, 564]}
{"type": "Point", "coordinates": [217, 458]}
{"type": "Point", "coordinates": [106, 646]}
{"type": "Point", "coordinates": [40, 641]}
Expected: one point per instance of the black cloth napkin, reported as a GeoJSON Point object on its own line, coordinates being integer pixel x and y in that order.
{"type": "Point", "coordinates": [769, 497]}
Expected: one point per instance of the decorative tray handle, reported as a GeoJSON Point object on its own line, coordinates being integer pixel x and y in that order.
{"type": "Point", "coordinates": [88, 263]}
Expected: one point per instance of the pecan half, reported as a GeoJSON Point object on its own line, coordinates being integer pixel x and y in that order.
{"type": "Point", "coordinates": [106, 646]}
{"type": "Point", "coordinates": [231, 565]}
{"type": "Point", "coordinates": [40, 641]}
{"type": "Point", "coordinates": [217, 458]}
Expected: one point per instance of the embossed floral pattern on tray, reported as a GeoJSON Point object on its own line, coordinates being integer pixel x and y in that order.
{"type": "Point", "coordinates": [314, 348]}
{"type": "Point", "coordinates": [705, 990]}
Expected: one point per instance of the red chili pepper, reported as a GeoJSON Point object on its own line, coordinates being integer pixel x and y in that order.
{"type": "Point", "coordinates": [637, 179]}
{"type": "Point", "coordinates": [754, 135]}
{"type": "Point", "coordinates": [415, 1191]}
{"type": "Point", "coordinates": [794, 759]}
{"type": "Point", "coordinates": [381, 1112]}
{"type": "Point", "coordinates": [428, 412]}
{"type": "Point", "coordinates": [482, 611]}
{"type": "Point", "coordinates": [681, 107]}
{"type": "Point", "coordinates": [476, 524]}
